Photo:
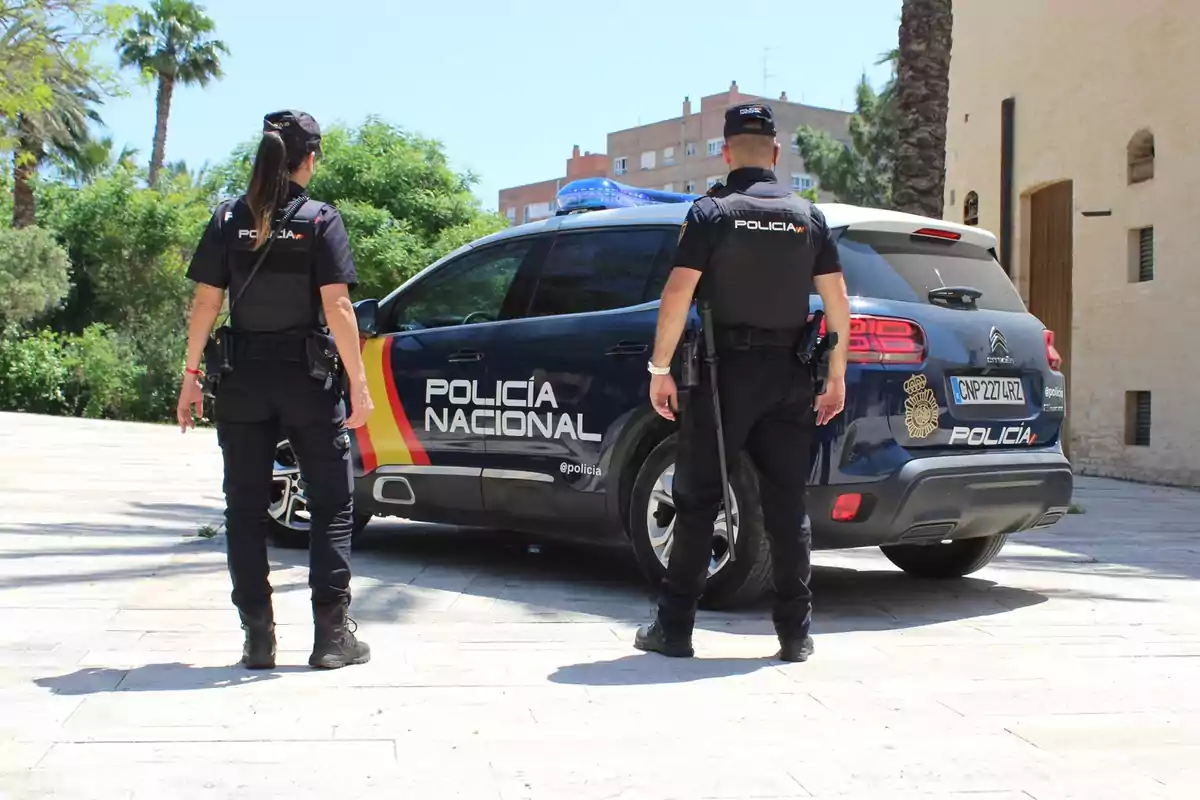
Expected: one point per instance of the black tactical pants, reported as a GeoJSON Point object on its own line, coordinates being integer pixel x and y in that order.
{"type": "Point", "coordinates": [767, 412]}
{"type": "Point", "coordinates": [267, 397]}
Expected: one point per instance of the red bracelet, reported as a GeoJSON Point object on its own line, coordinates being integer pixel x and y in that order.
{"type": "Point", "coordinates": [192, 371]}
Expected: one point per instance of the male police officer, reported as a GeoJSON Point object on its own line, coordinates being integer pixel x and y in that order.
{"type": "Point", "coordinates": [755, 248]}
{"type": "Point", "coordinates": [285, 259]}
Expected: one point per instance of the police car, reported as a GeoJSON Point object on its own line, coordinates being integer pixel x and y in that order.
{"type": "Point", "coordinates": [510, 389]}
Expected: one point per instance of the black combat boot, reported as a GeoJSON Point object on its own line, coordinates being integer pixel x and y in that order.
{"type": "Point", "coordinates": [795, 649]}
{"type": "Point", "coordinates": [334, 643]}
{"type": "Point", "coordinates": [258, 650]}
{"type": "Point", "coordinates": [654, 638]}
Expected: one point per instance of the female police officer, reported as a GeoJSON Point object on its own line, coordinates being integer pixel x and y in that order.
{"type": "Point", "coordinates": [284, 259]}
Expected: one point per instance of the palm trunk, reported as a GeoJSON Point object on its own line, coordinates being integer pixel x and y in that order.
{"type": "Point", "coordinates": [166, 87]}
{"type": "Point", "coordinates": [922, 103]}
{"type": "Point", "coordinates": [26, 157]}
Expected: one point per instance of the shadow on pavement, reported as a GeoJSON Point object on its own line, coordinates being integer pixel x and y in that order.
{"type": "Point", "coordinates": [643, 669]}
{"type": "Point", "coordinates": [166, 677]}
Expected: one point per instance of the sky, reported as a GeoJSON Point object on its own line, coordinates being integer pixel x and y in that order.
{"type": "Point", "coordinates": [507, 87]}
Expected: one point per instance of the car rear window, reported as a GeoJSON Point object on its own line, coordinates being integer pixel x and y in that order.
{"type": "Point", "coordinates": [894, 266]}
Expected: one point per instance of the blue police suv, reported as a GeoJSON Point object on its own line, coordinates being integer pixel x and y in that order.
{"type": "Point", "coordinates": [511, 392]}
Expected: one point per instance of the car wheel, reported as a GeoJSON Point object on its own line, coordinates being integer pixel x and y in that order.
{"type": "Point", "coordinates": [652, 531]}
{"type": "Point", "coordinates": [287, 516]}
{"type": "Point", "coordinates": [948, 559]}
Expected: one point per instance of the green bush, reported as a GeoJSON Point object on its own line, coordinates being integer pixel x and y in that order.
{"type": "Point", "coordinates": [34, 273]}
{"type": "Point", "coordinates": [104, 374]}
{"type": "Point", "coordinates": [33, 372]}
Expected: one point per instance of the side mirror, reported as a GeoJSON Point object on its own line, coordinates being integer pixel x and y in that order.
{"type": "Point", "coordinates": [367, 314]}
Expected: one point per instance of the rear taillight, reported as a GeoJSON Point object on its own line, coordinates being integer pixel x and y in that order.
{"type": "Point", "coordinates": [884, 340]}
{"type": "Point", "coordinates": [1051, 351]}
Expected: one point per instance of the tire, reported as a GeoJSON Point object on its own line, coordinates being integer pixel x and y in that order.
{"type": "Point", "coordinates": [950, 560]}
{"type": "Point", "coordinates": [287, 521]}
{"type": "Point", "coordinates": [297, 538]}
{"type": "Point", "coordinates": [730, 585]}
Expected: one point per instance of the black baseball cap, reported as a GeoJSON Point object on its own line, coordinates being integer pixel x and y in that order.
{"type": "Point", "coordinates": [754, 118]}
{"type": "Point", "coordinates": [299, 131]}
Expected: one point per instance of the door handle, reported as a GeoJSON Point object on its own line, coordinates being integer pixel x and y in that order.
{"type": "Point", "coordinates": [465, 355]}
{"type": "Point", "coordinates": [627, 349]}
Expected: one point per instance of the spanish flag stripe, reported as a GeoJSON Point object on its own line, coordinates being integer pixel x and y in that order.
{"type": "Point", "coordinates": [389, 444]}
{"type": "Point", "coordinates": [412, 444]}
{"type": "Point", "coordinates": [362, 435]}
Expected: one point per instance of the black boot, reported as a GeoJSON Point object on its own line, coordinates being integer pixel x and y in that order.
{"type": "Point", "coordinates": [334, 643]}
{"type": "Point", "coordinates": [653, 638]}
{"type": "Point", "coordinates": [258, 650]}
{"type": "Point", "coordinates": [795, 649]}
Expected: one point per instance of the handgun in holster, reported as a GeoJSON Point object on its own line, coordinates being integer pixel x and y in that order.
{"type": "Point", "coordinates": [218, 359]}
{"type": "Point", "coordinates": [814, 349]}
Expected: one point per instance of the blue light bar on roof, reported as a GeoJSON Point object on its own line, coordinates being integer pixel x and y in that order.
{"type": "Point", "coordinates": [596, 194]}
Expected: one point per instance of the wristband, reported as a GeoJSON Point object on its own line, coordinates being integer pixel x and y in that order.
{"type": "Point", "coordinates": [195, 372]}
{"type": "Point", "coordinates": [657, 370]}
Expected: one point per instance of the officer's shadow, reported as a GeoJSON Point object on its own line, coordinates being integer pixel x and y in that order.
{"type": "Point", "coordinates": [644, 669]}
{"type": "Point", "coordinates": [165, 677]}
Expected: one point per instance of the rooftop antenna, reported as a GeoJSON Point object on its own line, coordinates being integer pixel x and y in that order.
{"type": "Point", "coordinates": [765, 74]}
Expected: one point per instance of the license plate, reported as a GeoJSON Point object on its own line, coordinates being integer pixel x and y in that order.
{"type": "Point", "coordinates": [970, 391]}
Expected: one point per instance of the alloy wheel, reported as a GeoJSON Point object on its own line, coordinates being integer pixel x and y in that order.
{"type": "Point", "coordinates": [661, 517]}
{"type": "Point", "coordinates": [289, 505]}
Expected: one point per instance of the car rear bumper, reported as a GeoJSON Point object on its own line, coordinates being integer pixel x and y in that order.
{"type": "Point", "coordinates": [948, 497]}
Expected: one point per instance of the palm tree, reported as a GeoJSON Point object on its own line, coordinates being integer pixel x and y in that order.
{"type": "Point", "coordinates": [922, 103]}
{"type": "Point", "coordinates": [59, 129]}
{"type": "Point", "coordinates": [170, 42]}
{"type": "Point", "coordinates": [95, 157]}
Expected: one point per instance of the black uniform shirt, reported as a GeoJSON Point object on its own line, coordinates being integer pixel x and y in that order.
{"type": "Point", "coordinates": [284, 294]}
{"type": "Point", "coordinates": [748, 292]}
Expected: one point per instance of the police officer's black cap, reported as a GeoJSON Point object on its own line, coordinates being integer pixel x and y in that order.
{"type": "Point", "coordinates": [299, 131]}
{"type": "Point", "coordinates": [754, 118]}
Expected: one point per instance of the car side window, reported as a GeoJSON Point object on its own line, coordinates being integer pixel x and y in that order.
{"type": "Point", "coordinates": [465, 291]}
{"type": "Point", "coordinates": [597, 271]}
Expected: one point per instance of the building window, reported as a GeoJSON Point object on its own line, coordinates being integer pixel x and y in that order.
{"type": "Point", "coordinates": [668, 156]}
{"type": "Point", "coordinates": [714, 147]}
{"type": "Point", "coordinates": [801, 181]}
{"type": "Point", "coordinates": [1139, 155]}
{"type": "Point", "coordinates": [691, 187]}
{"type": "Point", "coordinates": [1137, 419]}
{"type": "Point", "coordinates": [795, 147]}
{"type": "Point", "coordinates": [670, 187]}
{"type": "Point", "coordinates": [712, 181]}
{"type": "Point", "coordinates": [690, 149]}
{"type": "Point", "coordinates": [971, 209]}
{"type": "Point", "coordinates": [536, 211]}
{"type": "Point", "coordinates": [511, 213]}
{"type": "Point", "coordinates": [1141, 255]}
{"type": "Point", "coordinates": [648, 159]}
{"type": "Point", "coordinates": [619, 166]}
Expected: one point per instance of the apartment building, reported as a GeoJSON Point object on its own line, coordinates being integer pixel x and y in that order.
{"type": "Point", "coordinates": [1071, 136]}
{"type": "Point", "coordinates": [533, 201]}
{"type": "Point", "coordinates": [683, 154]}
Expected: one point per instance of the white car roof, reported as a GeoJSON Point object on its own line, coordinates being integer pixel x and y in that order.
{"type": "Point", "coordinates": [838, 215]}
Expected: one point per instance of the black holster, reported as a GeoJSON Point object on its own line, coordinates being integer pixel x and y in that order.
{"type": "Point", "coordinates": [218, 358]}
{"type": "Point", "coordinates": [689, 367]}
{"type": "Point", "coordinates": [324, 364]}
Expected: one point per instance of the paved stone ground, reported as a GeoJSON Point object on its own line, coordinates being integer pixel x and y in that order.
{"type": "Point", "coordinates": [1067, 669]}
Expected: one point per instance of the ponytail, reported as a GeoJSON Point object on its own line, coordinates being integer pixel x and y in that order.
{"type": "Point", "coordinates": [268, 183]}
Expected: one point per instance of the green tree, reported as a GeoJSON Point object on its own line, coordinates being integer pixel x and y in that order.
{"type": "Point", "coordinates": [42, 40]}
{"type": "Point", "coordinates": [403, 205]}
{"type": "Point", "coordinates": [34, 274]}
{"type": "Point", "coordinates": [59, 131]}
{"type": "Point", "coordinates": [922, 104]}
{"type": "Point", "coordinates": [860, 173]}
{"type": "Point", "coordinates": [170, 44]}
